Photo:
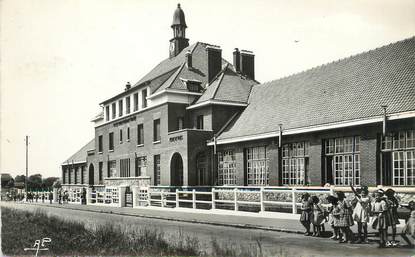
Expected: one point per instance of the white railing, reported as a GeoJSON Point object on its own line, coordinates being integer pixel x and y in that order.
{"type": "Point", "coordinates": [235, 198]}
{"type": "Point", "coordinates": [101, 195]}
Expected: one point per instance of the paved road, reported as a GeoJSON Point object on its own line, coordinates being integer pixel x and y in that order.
{"type": "Point", "coordinates": [273, 243]}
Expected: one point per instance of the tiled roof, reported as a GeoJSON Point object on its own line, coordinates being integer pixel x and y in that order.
{"type": "Point", "coordinates": [228, 86]}
{"type": "Point", "coordinates": [348, 89]}
{"type": "Point", "coordinates": [80, 156]}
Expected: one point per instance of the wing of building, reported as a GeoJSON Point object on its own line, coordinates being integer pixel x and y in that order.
{"type": "Point", "coordinates": [197, 119]}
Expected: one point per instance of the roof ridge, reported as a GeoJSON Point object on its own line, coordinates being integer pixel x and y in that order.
{"type": "Point", "coordinates": [177, 68]}
{"type": "Point", "coordinates": [177, 74]}
{"type": "Point", "coordinates": [219, 82]}
{"type": "Point", "coordinates": [334, 61]}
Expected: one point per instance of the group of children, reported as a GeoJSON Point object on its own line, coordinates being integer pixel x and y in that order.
{"type": "Point", "coordinates": [342, 213]}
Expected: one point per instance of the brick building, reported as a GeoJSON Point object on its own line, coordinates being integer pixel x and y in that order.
{"type": "Point", "coordinates": [197, 119]}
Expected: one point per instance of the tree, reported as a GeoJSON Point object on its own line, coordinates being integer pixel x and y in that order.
{"type": "Point", "coordinates": [35, 182]}
{"type": "Point", "coordinates": [48, 182]}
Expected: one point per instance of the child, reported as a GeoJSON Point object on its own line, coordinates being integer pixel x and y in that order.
{"type": "Point", "coordinates": [317, 216]}
{"type": "Point", "coordinates": [332, 219]}
{"type": "Point", "coordinates": [393, 205]}
{"type": "Point", "coordinates": [409, 229]}
{"type": "Point", "coordinates": [306, 212]}
{"type": "Point", "coordinates": [344, 216]}
{"type": "Point", "coordinates": [361, 214]}
{"type": "Point", "coordinates": [381, 222]}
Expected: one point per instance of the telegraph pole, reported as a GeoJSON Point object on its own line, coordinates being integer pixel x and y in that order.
{"type": "Point", "coordinates": [27, 162]}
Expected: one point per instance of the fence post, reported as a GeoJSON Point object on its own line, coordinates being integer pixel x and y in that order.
{"type": "Point", "coordinates": [213, 199]}
{"type": "Point", "coordinates": [261, 199]}
{"type": "Point", "coordinates": [161, 199]}
{"type": "Point", "coordinates": [177, 198]}
{"type": "Point", "coordinates": [194, 198]}
{"type": "Point", "coordinates": [294, 201]}
{"type": "Point", "coordinates": [235, 198]}
{"type": "Point", "coordinates": [148, 197]}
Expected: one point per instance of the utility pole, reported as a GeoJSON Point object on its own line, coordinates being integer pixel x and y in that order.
{"type": "Point", "coordinates": [27, 162]}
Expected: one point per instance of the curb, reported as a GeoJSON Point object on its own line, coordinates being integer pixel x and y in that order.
{"type": "Point", "coordinates": [234, 225]}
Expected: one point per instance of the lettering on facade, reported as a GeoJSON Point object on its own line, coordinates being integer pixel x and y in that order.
{"type": "Point", "coordinates": [175, 139]}
{"type": "Point", "coordinates": [123, 121]}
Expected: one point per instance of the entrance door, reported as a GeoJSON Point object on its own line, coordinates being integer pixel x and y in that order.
{"type": "Point", "coordinates": [202, 170]}
{"type": "Point", "coordinates": [176, 170]}
{"type": "Point", "coordinates": [128, 197]}
{"type": "Point", "coordinates": [91, 175]}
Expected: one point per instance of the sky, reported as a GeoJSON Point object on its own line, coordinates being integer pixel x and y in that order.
{"type": "Point", "coordinates": [60, 59]}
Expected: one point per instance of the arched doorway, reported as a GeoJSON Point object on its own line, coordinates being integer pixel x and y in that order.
{"type": "Point", "coordinates": [176, 170]}
{"type": "Point", "coordinates": [91, 175]}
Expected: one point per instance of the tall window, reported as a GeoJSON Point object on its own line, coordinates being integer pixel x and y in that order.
{"type": "Point", "coordinates": [82, 174]}
{"type": "Point", "coordinates": [107, 112]}
{"type": "Point", "coordinates": [100, 171]}
{"type": "Point", "coordinates": [135, 96]}
{"type": "Point", "coordinates": [156, 170]}
{"type": "Point", "coordinates": [141, 166]}
{"type": "Point", "coordinates": [114, 110]}
{"type": "Point", "coordinates": [120, 108]}
{"type": "Point", "coordinates": [156, 130]}
{"type": "Point", "coordinates": [294, 160]}
{"type": "Point", "coordinates": [402, 147]}
{"type": "Point", "coordinates": [140, 134]}
{"type": "Point", "coordinates": [100, 146]}
{"type": "Point", "coordinates": [202, 171]}
{"type": "Point", "coordinates": [343, 159]}
{"type": "Point", "coordinates": [128, 134]}
{"type": "Point", "coordinates": [125, 167]}
{"type": "Point", "coordinates": [226, 168]}
{"type": "Point", "coordinates": [127, 105]}
{"type": "Point", "coordinates": [75, 172]}
{"type": "Point", "coordinates": [257, 166]}
{"type": "Point", "coordinates": [111, 141]}
{"type": "Point", "coordinates": [112, 169]}
{"type": "Point", "coordinates": [180, 123]}
{"type": "Point", "coordinates": [199, 122]}
{"type": "Point", "coordinates": [144, 98]}
{"type": "Point", "coordinates": [120, 136]}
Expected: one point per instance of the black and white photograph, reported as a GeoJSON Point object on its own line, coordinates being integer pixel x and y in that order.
{"type": "Point", "coordinates": [207, 128]}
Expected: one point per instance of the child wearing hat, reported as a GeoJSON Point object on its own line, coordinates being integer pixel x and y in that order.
{"type": "Point", "coordinates": [306, 209]}
{"type": "Point", "coordinates": [381, 222]}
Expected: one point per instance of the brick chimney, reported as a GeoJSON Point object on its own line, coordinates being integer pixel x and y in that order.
{"type": "Point", "coordinates": [189, 59]}
{"type": "Point", "coordinates": [214, 60]}
{"type": "Point", "coordinates": [237, 60]}
{"type": "Point", "coordinates": [127, 86]}
{"type": "Point", "coordinates": [247, 64]}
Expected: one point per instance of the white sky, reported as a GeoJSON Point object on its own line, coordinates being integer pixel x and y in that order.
{"type": "Point", "coordinates": [60, 59]}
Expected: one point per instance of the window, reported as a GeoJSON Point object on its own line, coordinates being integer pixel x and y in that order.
{"type": "Point", "coordinates": [257, 166]}
{"type": "Point", "coordinates": [107, 112]}
{"type": "Point", "coordinates": [128, 134]}
{"type": "Point", "coordinates": [180, 123]}
{"type": "Point", "coordinates": [114, 110]}
{"type": "Point", "coordinates": [199, 122]}
{"type": "Point", "coordinates": [344, 161]}
{"type": "Point", "coordinates": [120, 108]}
{"type": "Point", "coordinates": [141, 166]}
{"type": "Point", "coordinates": [82, 174]}
{"type": "Point", "coordinates": [140, 134]}
{"type": "Point", "coordinates": [135, 102]}
{"type": "Point", "coordinates": [144, 98]}
{"type": "Point", "coordinates": [226, 168]}
{"type": "Point", "coordinates": [125, 167]}
{"type": "Point", "coordinates": [202, 171]}
{"type": "Point", "coordinates": [100, 169]}
{"type": "Point", "coordinates": [120, 136]}
{"type": "Point", "coordinates": [127, 105]}
{"type": "Point", "coordinates": [111, 141]}
{"type": "Point", "coordinates": [100, 146]}
{"type": "Point", "coordinates": [294, 163]}
{"type": "Point", "coordinates": [156, 170]}
{"type": "Point", "coordinates": [156, 130]}
{"type": "Point", "coordinates": [112, 170]}
{"type": "Point", "coordinates": [75, 171]}
{"type": "Point", "coordinates": [401, 146]}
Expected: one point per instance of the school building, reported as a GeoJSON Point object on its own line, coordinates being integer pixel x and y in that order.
{"type": "Point", "coordinates": [198, 120]}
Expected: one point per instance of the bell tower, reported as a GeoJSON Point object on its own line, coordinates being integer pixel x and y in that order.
{"type": "Point", "coordinates": [179, 40]}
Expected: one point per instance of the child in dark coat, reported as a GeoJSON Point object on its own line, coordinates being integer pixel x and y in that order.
{"type": "Point", "coordinates": [393, 205]}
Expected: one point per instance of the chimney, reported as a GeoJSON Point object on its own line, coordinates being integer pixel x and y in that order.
{"type": "Point", "coordinates": [237, 60]}
{"type": "Point", "coordinates": [189, 59]}
{"type": "Point", "coordinates": [127, 86]}
{"type": "Point", "coordinates": [247, 64]}
{"type": "Point", "coordinates": [214, 59]}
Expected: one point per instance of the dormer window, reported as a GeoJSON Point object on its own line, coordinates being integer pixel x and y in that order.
{"type": "Point", "coordinates": [193, 85]}
{"type": "Point", "coordinates": [144, 98]}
